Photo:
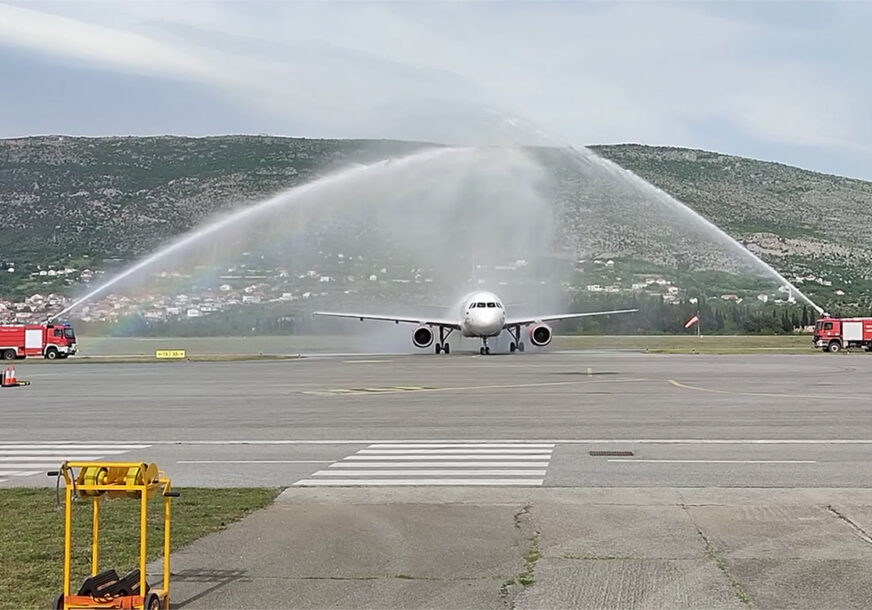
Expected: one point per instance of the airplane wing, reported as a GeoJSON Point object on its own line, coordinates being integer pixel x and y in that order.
{"type": "Point", "coordinates": [562, 316]}
{"type": "Point", "coordinates": [395, 319]}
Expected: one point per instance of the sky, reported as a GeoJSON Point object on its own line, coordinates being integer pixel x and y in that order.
{"type": "Point", "coordinates": [781, 81]}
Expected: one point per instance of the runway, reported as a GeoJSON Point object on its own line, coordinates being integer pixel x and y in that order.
{"type": "Point", "coordinates": [553, 419]}
{"type": "Point", "coordinates": [560, 479]}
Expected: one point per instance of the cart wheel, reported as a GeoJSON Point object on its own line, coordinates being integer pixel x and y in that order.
{"type": "Point", "coordinates": [152, 602]}
{"type": "Point", "coordinates": [58, 602]}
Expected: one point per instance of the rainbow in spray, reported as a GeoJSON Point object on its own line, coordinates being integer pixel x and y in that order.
{"type": "Point", "coordinates": [285, 198]}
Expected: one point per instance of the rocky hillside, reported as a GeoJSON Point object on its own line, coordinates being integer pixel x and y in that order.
{"type": "Point", "coordinates": [68, 199]}
{"type": "Point", "coordinates": [802, 223]}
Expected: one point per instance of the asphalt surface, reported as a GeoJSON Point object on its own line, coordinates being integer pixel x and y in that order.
{"type": "Point", "coordinates": [562, 479]}
{"type": "Point", "coordinates": [734, 421]}
{"type": "Point", "coordinates": [538, 548]}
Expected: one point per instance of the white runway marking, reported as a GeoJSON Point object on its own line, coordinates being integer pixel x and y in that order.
{"type": "Point", "coordinates": [22, 460]}
{"type": "Point", "coordinates": [465, 456]}
{"type": "Point", "coordinates": [431, 472]}
{"type": "Point", "coordinates": [526, 443]}
{"type": "Point", "coordinates": [253, 461]}
{"type": "Point", "coordinates": [452, 464]}
{"type": "Point", "coordinates": [62, 446]}
{"type": "Point", "coordinates": [41, 458]}
{"type": "Point", "coordinates": [417, 482]}
{"type": "Point", "coordinates": [451, 451]}
{"type": "Point", "coordinates": [421, 463]}
{"type": "Point", "coordinates": [65, 450]}
{"type": "Point", "coordinates": [461, 446]}
{"type": "Point", "coordinates": [717, 461]}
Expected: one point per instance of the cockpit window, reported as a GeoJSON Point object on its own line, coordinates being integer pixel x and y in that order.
{"type": "Point", "coordinates": [491, 304]}
{"type": "Point", "coordinates": [500, 305]}
{"type": "Point", "coordinates": [480, 305]}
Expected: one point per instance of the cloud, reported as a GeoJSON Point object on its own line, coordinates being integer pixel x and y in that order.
{"type": "Point", "coordinates": [75, 40]}
{"type": "Point", "coordinates": [693, 74]}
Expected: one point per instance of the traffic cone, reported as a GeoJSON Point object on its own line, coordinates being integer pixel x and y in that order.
{"type": "Point", "coordinates": [5, 378]}
{"type": "Point", "coordinates": [12, 380]}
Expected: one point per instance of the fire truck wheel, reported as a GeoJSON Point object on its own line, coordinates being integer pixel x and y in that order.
{"type": "Point", "coordinates": [58, 602]}
{"type": "Point", "coordinates": [51, 353]}
{"type": "Point", "coordinates": [9, 354]}
{"type": "Point", "coordinates": [834, 347]}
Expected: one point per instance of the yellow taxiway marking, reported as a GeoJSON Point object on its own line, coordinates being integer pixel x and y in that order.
{"type": "Point", "coordinates": [363, 391]}
{"type": "Point", "coordinates": [471, 388]}
{"type": "Point", "coordinates": [686, 386]}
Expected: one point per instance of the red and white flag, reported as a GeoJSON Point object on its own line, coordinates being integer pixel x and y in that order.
{"type": "Point", "coordinates": [692, 321]}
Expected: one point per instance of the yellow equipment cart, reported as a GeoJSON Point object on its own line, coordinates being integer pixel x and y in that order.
{"type": "Point", "coordinates": [96, 480]}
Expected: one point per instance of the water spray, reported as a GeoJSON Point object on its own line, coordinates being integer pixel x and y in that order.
{"type": "Point", "coordinates": [283, 198]}
{"type": "Point", "coordinates": [644, 186]}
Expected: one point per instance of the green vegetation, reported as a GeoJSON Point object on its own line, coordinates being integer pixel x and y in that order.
{"type": "Point", "coordinates": [96, 204]}
{"type": "Point", "coordinates": [690, 344]}
{"type": "Point", "coordinates": [655, 316]}
{"type": "Point", "coordinates": [800, 222]}
{"type": "Point", "coordinates": [32, 529]}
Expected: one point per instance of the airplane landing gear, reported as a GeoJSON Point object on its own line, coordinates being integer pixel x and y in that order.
{"type": "Point", "coordinates": [442, 344]}
{"type": "Point", "coordinates": [484, 349]}
{"type": "Point", "coordinates": [517, 344]}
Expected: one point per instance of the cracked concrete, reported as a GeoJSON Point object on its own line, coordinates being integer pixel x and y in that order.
{"type": "Point", "coordinates": [527, 529]}
{"type": "Point", "coordinates": [537, 548]}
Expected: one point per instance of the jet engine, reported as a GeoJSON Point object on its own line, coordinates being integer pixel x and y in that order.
{"type": "Point", "coordinates": [422, 336]}
{"type": "Point", "coordinates": [540, 334]}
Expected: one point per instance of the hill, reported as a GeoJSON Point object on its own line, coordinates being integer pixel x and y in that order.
{"type": "Point", "coordinates": [803, 223]}
{"type": "Point", "coordinates": [71, 204]}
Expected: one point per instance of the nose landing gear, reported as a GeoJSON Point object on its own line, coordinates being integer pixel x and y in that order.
{"type": "Point", "coordinates": [484, 350]}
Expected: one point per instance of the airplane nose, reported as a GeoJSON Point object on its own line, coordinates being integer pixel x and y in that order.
{"type": "Point", "coordinates": [492, 320]}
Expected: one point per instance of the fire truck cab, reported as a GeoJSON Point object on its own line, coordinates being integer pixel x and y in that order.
{"type": "Point", "coordinates": [48, 340]}
{"type": "Point", "coordinates": [834, 334]}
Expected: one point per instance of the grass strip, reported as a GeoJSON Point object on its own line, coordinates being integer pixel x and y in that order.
{"type": "Point", "coordinates": [32, 531]}
{"type": "Point", "coordinates": [691, 344]}
{"type": "Point", "coordinates": [133, 359]}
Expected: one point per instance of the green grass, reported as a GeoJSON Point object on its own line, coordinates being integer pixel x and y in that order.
{"type": "Point", "coordinates": [32, 530]}
{"type": "Point", "coordinates": [140, 359]}
{"type": "Point", "coordinates": [688, 344]}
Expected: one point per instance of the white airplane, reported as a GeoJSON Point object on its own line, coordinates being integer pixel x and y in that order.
{"type": "Point", "coordinates": [482, 315]}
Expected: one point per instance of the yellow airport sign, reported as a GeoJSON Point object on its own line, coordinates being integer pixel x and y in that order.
{"type": "Point", "coordinates": [170, 353]}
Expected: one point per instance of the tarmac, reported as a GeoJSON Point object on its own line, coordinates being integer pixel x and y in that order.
{"type": "Point", "coordinates": [553, 479]}
{"type": "Point", "coordinates": [538, 548]}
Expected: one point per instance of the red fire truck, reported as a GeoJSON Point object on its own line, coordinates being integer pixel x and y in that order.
{"type": "Point", "coordinates": [48, 340]}
{"type": "Point", "coordinates": [834, 334]}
